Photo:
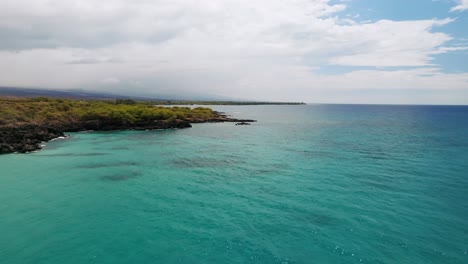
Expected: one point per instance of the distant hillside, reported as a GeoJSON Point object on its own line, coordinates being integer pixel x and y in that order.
{"type": "Point", "coordinates": [71, 94]}
{"type": "Point", "coordinates": [77, 94]}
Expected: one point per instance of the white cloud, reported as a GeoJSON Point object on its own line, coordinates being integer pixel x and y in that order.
{"type": "Point", "coordinates": [110, 80]}
{"type": "Point", "coordinates": [462, 6]}
{"type": "Point", "coordinates": [393, 43]}
{"type": "Point", "coordinates": [241, 48]}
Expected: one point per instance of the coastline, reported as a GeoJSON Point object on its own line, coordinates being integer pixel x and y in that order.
{"type": "Point", "coordinates": [25, 123]}
{"type": "Point", "coordinates": [29, 137]}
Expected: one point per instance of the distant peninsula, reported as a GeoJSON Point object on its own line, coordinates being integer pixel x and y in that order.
{"type": "Point", "coordinates": [27, 122]}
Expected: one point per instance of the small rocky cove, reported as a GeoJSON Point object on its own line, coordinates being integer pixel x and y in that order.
{"type": "Point", "coordinates": [28, 137]}
{"type": "Point", "coordinates": [25, 123]}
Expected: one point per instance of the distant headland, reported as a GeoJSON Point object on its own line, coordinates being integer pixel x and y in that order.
{"type": "Point", "coordinates": [156, 100]}
{"type": "Point", "coordinates": [27, 122]}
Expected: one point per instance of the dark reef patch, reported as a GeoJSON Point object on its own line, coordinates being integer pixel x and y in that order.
{"type": "Point", "coordinates": [107, 165]}
{"type": "Point", "coordinates": [204, 163]}
{"type": "Point", "coordinates": [272, 168]}
{"type": "Point", "coordinates": [119, 148]}
{"type": "Point", "coordinates": [319, 219]}
{"type": "Point", "coordinates": [93, 154]}
{"type": "Point", "coordinates": [124, 176]}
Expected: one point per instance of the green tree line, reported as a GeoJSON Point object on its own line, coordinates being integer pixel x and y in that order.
{"type": "Point", "coordinates": [43, 110]}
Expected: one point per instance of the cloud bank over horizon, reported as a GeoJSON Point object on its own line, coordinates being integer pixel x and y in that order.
{"type": "Point", "coordinates": [301, 50]}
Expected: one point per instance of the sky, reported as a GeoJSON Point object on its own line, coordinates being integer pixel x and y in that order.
{"type": "Point", "coordinates": [315, 51]}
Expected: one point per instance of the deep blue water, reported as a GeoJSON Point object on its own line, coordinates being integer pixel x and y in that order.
{"type": "Point", "coordinates": [306, 184]}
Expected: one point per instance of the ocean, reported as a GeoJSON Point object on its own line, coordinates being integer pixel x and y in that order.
{"type": "Point", "coordinates": [305, 184]}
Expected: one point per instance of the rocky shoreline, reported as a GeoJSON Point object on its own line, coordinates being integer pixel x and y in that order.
{"type": "Point", "coordinates": [28, 137]}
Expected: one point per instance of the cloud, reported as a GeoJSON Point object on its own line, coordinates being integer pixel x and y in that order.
{"type": "Point", "coordinates": [110, 80]}
{"type": "Point", "coordinates": [462, 6]}
{"type": "Point", "coordinates": [393, 43]}
{"type": "Point", "coordinates": [241, 48]}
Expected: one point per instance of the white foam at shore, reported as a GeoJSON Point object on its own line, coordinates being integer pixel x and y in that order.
{"type": "Point", "coordinates": [57, 138]}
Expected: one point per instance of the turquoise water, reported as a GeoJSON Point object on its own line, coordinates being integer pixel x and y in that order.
{"type": "Point", "coordinates": [306, 184]}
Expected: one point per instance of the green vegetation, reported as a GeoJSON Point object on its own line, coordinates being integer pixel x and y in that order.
{"type": "Point", "coordinates": [44, 110]}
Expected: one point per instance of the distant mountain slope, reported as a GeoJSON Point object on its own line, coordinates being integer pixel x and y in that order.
{"type": "Point", "coordinates": [76, 94]}
{"type": "Point", "coordinates": [162, 99]}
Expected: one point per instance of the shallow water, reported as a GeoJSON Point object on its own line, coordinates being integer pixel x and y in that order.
{"type": "Point", "coordinates": [306, 184]}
